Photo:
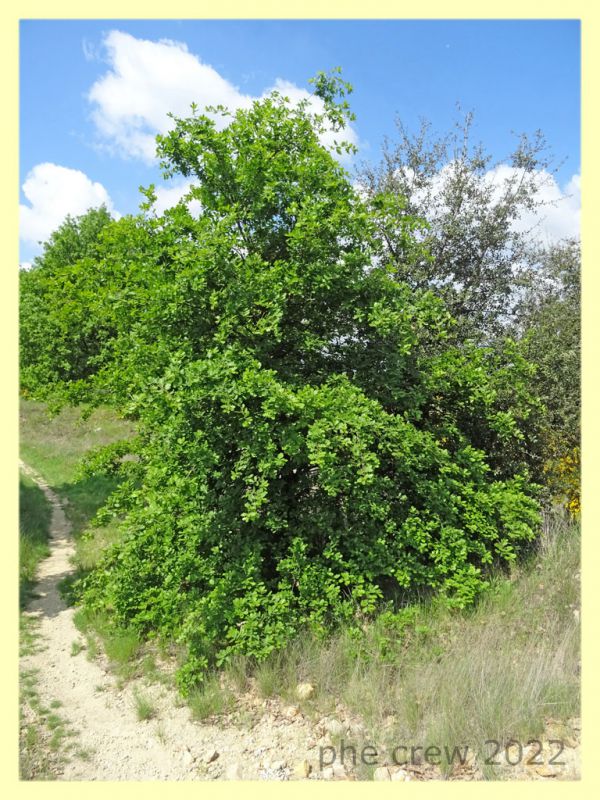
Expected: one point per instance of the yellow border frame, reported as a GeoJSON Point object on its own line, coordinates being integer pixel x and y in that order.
{"type": "Point", "coordinates": [331, 9]}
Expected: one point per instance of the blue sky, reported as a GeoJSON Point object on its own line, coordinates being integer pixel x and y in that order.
{"type": "Point", "coordinates": [93, 93]}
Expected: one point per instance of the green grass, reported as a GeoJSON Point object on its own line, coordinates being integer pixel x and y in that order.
{"type": "Point", "coordinates": [161, 735]}
{"type": "Point", "coordinates": [91, 547]}
{"type": "Point", "coordinates": [30, 641]}
{"type": "Point", "coordinates": [44, 734]}
{"type": "Point", "coordinates": [35, 514]}
{"type": "Point", "coordinates": [36, 761]}
{"type": "Point", "coordinates": [210, 699]}
{"type": "Point", "coordinates": [54, 446]}
{"type": "Point", "coordinates": [128, 656]}
{"type": "Point", "coordinates": [144, 708]}
{"type": "Point", "coordinates": [122, 646]}
{"type": "Point", "coordinates": [76, 648]}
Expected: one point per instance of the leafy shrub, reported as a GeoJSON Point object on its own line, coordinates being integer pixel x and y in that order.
{"type": "Point", "coordinates": [312, 440]}
{"type": "Point", "coordinates": [549, 328]}
{"type": "Point", "coordinates": [564, 480]}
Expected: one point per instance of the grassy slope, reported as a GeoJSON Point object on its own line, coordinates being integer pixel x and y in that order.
{"type": "Point", "coordinates": [54, 447]}
{"type": "Point", "coordinates": [495, 672]}
{"type": "Point", "coordinates": [34, 530]}
{"type": "Point", "coordinates": [498, 671]}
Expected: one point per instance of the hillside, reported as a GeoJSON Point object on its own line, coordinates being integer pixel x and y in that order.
{"type": "Point", "coordinates": [508, 669]}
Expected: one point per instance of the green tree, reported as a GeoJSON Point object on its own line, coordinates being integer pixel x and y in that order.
{"type": "Point", "coordinates": [548, 325]}
{"type": "Point", "coordinates": [470, 205]}
{"type": "Point", "coordinates": [55, 346]}
{"type": "Point", "coordinates": [310, 441]}
{"type": "Point", "coordinates": [76, 238]}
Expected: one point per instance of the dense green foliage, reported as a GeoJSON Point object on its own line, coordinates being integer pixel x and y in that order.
{"type": "Point", "coordinates": [486, 261]}
{"type": "Point", "coordinates": [55, 343]}
{"type": "Point", "coordinates": [312, 437]}
{"type": "Point", "coordinates": [548, 327]}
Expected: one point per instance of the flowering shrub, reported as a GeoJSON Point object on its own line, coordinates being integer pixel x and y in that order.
{"type": "Point", "coordinates": [564, 480]}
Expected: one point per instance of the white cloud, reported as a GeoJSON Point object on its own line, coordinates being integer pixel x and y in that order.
{"type": "Point", "coordinates": [25, 265]}
{"type": "Point", "coordinates": [561, 217]}
{"type": "Point", "coordinates": [146, 79]}
{"type": "Point", "coordinates": [53, 192]}
{"type": "Point", "coordinates": [169, 196]}
{"type": "Point", "coordinates": [559, 211]}
{"type": "Point", "coordinates": [556, 217]}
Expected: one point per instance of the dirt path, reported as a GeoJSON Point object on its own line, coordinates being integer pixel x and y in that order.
{"type": "Point", "coordinates": [115, 745]}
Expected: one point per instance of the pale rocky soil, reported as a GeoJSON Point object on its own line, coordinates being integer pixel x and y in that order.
{"type": "Point", "coordinates": [261, 740]}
